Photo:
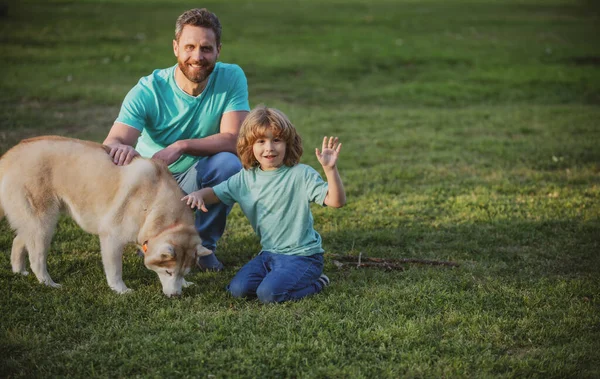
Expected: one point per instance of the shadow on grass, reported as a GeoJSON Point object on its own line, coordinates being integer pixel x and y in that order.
{"type": "Point", "coordinates": [509, 249]}
{"type": "Point", "coordinates": [528, 248]}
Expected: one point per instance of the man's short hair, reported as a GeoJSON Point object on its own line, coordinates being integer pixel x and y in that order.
{"type": "Point", "coordinates": [199, 17]}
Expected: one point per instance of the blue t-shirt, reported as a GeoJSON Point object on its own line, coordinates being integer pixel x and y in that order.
{"type": "Point", "coordinates": [277, 204]}
{"type": "Point", "coordinates": [164, 113]}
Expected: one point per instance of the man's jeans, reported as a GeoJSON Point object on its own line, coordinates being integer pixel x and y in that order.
{"type": "Point", "coordinates": [275, 278]}
{"type": "Point", "coordinates": [208, 172]}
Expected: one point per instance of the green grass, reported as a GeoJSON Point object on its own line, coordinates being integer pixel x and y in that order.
{"type": "Point", "coordinates": [471, 133]}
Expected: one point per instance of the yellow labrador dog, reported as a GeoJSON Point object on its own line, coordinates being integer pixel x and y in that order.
{"type": "Point", "coordinates": [139, 203]}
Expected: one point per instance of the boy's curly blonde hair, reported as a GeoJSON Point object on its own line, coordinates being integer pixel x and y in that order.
{"type": "Point", "coordinates": [255, 126]}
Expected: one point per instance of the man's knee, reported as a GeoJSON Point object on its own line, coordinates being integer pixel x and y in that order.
{"type": "Point", "coordinates": [222, 166]}
{"type": "Point", "coordinates": [228, 164]}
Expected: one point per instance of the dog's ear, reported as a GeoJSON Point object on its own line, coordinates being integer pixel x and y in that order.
{"type": "Point", "coordinates": [167, 253]}
{"type": "Point", "coordinates": [202, 251]}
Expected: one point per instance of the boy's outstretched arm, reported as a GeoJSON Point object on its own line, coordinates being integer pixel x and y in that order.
{"type": "Point", "coordinates": [328, 156]}
{"type": "Point", "coordinates": [198, 199]}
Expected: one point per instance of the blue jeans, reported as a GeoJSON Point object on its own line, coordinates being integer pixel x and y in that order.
{"type": "Point", "coordinates": [208, 172]}
{"type": "Point", "coordinates": [275, 278]}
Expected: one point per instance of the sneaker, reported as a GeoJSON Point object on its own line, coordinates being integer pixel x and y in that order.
{"type": "Point", "coordinates": [324, 280]}
{"type": "Point", "coordinates": [209, 263]}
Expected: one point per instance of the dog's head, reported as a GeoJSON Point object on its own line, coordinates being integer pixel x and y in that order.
{"type": "Point", "coordinates": [172, 254]}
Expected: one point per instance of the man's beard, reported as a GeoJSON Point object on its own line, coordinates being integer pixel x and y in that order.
{"type": "Point", "coordinates": [196, 76]}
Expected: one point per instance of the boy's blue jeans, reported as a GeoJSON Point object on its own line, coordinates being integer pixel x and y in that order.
{"type": "Point", "coordinates": [208, 172]}
{"type": "Point", "coordinates": [275, 278]}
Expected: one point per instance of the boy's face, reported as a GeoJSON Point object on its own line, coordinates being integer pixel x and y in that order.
{"type": "Point", "coordinates": [269, 151]}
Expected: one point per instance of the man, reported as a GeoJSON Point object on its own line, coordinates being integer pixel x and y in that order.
{"type": "Point", "coordinates": [189, 116]}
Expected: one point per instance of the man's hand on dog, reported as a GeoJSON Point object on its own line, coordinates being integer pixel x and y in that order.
{"type": "Point", "coordinates": [122, 154]}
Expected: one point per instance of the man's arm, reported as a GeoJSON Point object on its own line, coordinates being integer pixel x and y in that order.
{"type": "Point", "coordinates": [121, 140]}
{"type": "Point", "coordinates": [225, 140]}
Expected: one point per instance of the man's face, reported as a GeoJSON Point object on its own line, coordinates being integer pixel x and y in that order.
{"type": "Point", "coordinates": [197, 52]}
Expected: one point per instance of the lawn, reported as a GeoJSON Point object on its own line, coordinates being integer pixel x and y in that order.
{"type": "Point", "coordinates": [471, 134]}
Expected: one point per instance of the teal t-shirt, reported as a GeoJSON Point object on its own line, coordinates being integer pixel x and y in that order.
{"type": "Point", "coordinates": [277, 204]}
{"type": "Point", "coordinates": [164, 113]}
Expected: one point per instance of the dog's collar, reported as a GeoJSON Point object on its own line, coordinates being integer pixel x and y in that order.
{"type": "Point", "coordinates": [145, 244]}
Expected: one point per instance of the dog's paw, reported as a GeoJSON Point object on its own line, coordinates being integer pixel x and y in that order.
{"type": "Point", "coordinates": [52, 284]}
{"type": "Point", "coordinates": [187, 284]}
{"type": "Point", "coordinates": [22, 272]}
{"type": "Point", "coordinates": [121, 288]}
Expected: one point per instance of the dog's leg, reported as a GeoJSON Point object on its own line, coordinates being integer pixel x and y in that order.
{"type": "Point", "coordinates": [37, 243]}
{"type": "Point", "coordinates": [18, 255]}
{"type": "Point", "coordinates": [34, 218]}
{"type": "Point", "coordinates": [112, 258]}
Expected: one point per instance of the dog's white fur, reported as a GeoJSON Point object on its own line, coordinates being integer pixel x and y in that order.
{"type": "Point", "coordinates": [137, 203]}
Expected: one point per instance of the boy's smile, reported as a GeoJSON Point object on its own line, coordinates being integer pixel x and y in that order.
{"type": "Point", "coordinates": [269, 151]}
